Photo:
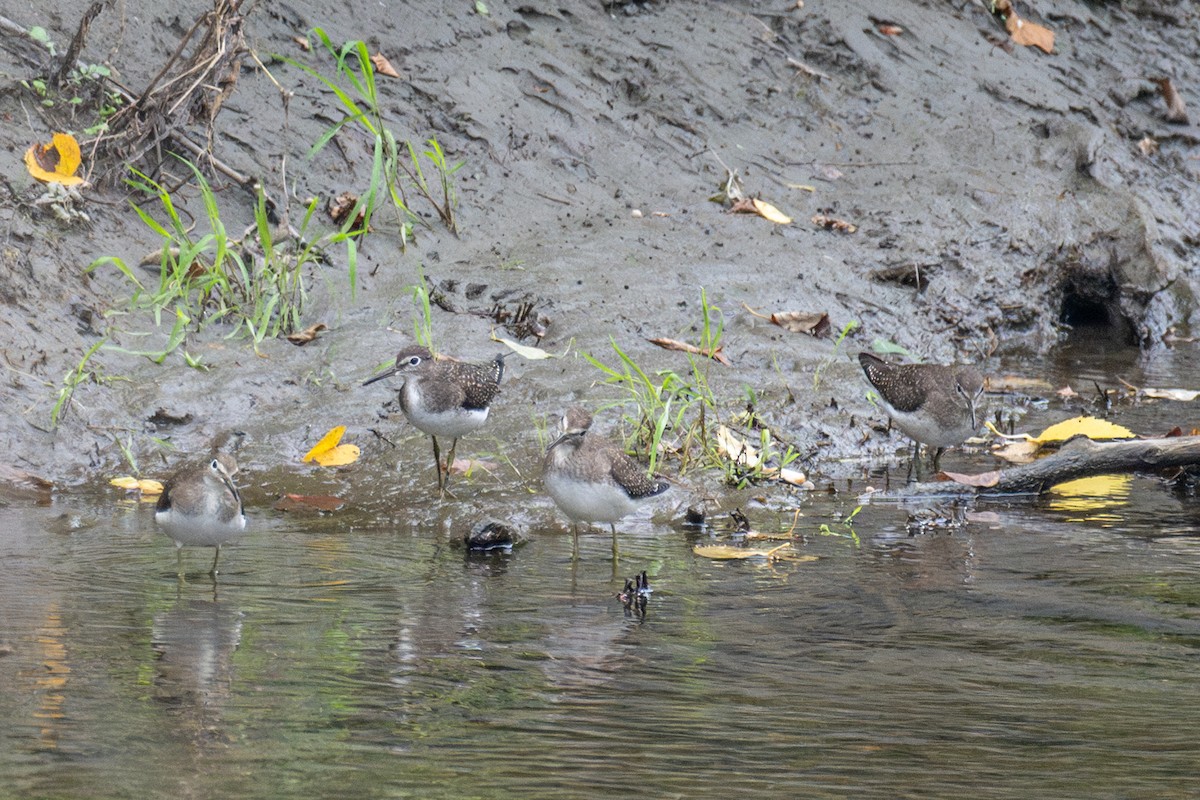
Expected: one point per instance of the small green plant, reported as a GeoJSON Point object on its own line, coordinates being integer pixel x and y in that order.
{"type": "Point", "coordinates": [837, 348]}
{"type": "Point", "coordinates": [353, 84]}
{"type": "Point", "coordinates": [844, 529]}
{"type": "Point", "coordinates": [70, 382]}
{"type": "Point", "coordinates": [423, 323]}
{"type": "Point", "coordinates": [672, 412]}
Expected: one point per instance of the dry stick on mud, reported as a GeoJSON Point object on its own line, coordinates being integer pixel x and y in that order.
{"type": "Point", "coordinates": [1078, 458]}
{"type": "Point", "coordinates": [186, 90]}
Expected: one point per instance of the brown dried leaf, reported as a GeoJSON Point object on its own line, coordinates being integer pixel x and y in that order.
{"type": "Point", "coordinates": [1148, 146]}
{"type": "Point", "coordinates": [833, 224]}
{"type": "Point", "coordinates": [743, 205]}
{"type": "Point", "coordinates": [1028, 34]}
{"type": "Point", "coordinates": [307, 335]}
{"type": "Point", "coordinates": [814, 323]}
{"type": "Point", "coordinates": [982, 480]}
{"type": "Point", "coordinates": [309, 502]}
{"type": "Point", "coordinates": [889, 29]}
{"type": "Point", "coordinates": [302, 43]}
{"type": "Point", "coordinates": [1176, 108]}
{"type": "Point", "coordinates": [684, 347]}
{"type": "Point", "coordinates": [383, 66]}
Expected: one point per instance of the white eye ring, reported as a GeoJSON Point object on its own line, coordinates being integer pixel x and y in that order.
{"type": "Point", "coordinates": [414, 360]}
{"type": "Point", "coordinates": [214, 465]}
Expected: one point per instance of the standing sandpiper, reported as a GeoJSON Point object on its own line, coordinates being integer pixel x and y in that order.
{"type": "Point", "coordinates": [590, 478]}
{"type": "Point", "coordinates": [200, 507]}
{"type": "Point", "coordinates": [933, 404]}
{"type": "Point", "coordinates": [444, 398]}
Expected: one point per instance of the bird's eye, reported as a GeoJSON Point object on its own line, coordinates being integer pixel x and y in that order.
{"type": "Point", "coordinates": [414, 360]}
{"type": "Point", "coordinates": [214, 465]}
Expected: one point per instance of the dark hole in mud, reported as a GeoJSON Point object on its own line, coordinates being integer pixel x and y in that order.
{"type": "Point", "coordinates": [1089, 316]}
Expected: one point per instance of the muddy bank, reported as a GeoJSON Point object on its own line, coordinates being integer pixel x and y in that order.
{"type": "Point", "coordinates": [1010, 180]}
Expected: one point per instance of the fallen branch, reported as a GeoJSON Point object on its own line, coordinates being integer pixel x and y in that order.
{"type": "Point", "coordinates": [1078, 458]}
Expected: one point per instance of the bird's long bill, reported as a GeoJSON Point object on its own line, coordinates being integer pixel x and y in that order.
{"type": "Point", "coordinates": [556, 442]}
{"type": "Point", "coordinates": [387, 373]}
{"type": "Point", "coordinates": [974, 422]}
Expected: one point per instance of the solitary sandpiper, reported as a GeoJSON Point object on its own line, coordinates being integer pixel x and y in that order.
{"type": "Point", "coordinates": [592, 479]}
{"type": "Point", "coordinates": [444, 398]}
{"type": "Point", "coordinates": [200, 507]}
{"type": "Point", "coordinates": [933, 404]}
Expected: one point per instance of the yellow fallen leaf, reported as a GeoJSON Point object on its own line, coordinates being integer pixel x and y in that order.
{"type": "Point", "coordinates": [56, 162]}
{"type": "Point", "coordinates": [725, 552]}
{"type": "Point", "coordinates": [1089, 426]}
{"type": "Point", "coordinates": [328, 453]}
{"type": "Point", "coordinates": [770, 212]}
{"type": "Point", "coordinates": [144, 485]}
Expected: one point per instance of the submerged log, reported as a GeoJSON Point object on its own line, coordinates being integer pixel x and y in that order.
{"type": "Point", "coordinates": [1078, 458]}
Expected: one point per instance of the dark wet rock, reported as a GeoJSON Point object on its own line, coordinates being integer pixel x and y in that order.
{"type": "Point", "coordinates": [492, 534]}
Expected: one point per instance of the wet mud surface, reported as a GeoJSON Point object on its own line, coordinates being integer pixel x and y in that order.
{"type": "Point", "coordinates": [997, 192]}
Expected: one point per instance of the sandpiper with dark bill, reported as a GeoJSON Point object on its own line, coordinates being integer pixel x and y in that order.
{"type": "Point", "coordinates": [592, 479]}
{"type": "Point", "coordinates": [933, 404]}
{"type": "Point", "coordinates": [201, 507]}
{"type": "Point", "coordinates": [444, 398]}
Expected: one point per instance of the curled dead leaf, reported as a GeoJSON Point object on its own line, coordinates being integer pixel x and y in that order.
{"type": "Point", "coordinates": [770, 212]}
{"type": "Point", "coordinates": [833, 224]}
{"type": "Point", "coordinates": [55, 162]}
{"type": "Point", "coordinates": [733, 447]}
{"type": "Point", "coordinates": [684, 347]}
{"type": "Point", "coordinates": [814, 323]}
{"type": "Point", "coordinates": [307, 335]}
{"type": "Point", "coordinates": [383, 66]}
{"type": "Point", "coordinates": [1148, 145]}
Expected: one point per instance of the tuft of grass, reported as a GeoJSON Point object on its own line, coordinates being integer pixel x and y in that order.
{"type": "Point", "coordinates": [423, 322]}
{"type": "Point", "coordinates": [353, 83]}
{"type": "Point", "coordinates": [70, 382]}
{"type": "Point", "coordinates": [254, 283]}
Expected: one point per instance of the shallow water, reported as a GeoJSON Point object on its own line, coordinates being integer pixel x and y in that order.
{"type": "Point", "coordinates": [1036, 648]}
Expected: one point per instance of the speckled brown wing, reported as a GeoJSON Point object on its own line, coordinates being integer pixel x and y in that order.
{"type": "Point", "coordinates": [902, 385]}
{"type": "Point", "coordinates": [480, 383]}
{"type": "Point", "coordinates": [633, 478]}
